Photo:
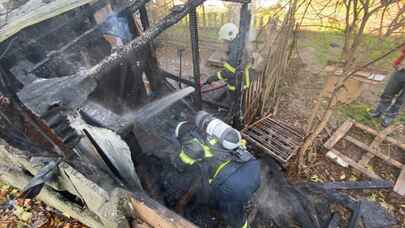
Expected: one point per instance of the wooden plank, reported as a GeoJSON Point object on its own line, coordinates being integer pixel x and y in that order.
{"type": "Point", "coordinates": [365, 80]}
{"type": "Point", "coordinates": [400, 184]}
{"type": "Point", "coordinates": [155, 214]}
{"type": "Point", "coordinates": [339, 134]}
{"type": "Point", "coordinates": [355, 165]}
{"type": "Point", "coordinates": [365, 147]}
{"type": "Point", "coordinates": [34, 12]}
{"type": "Point", "coordinates": [376, 143]}
{"type": "Point", "coordinates": [376, 133]}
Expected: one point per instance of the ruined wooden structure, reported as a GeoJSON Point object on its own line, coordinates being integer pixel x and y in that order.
{"type": "Point", "coordinates": [371, 151]}
{"type": "Point", "coordinates": [77, 83]}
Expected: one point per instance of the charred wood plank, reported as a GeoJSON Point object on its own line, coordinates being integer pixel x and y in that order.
{"type": "Point", "coordinates": [196, 56]}
{"type": "Point", "coordinates": [174, 77]}
{"type": "Point", "coordinates": [353, 185]}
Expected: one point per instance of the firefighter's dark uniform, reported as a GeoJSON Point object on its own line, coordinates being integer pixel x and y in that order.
{"type": "Point", "coordinates": [231, 71]}
{"type": "Point", "coordinates": [229, 182]}
{"type": "Point", "coordinates": [395, 86]}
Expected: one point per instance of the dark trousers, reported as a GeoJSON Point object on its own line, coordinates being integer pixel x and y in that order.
{"type": "Point", "coordinates": [233, 188]}
{"type": "Point", "coordinates": [394, 88]}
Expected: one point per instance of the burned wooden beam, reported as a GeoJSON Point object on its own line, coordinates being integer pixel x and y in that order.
{"type": "Point", "coordinates": [193, 23]}
{"type": "Point", "coordinates": [356, 185]}
{"type": "Point", "coordinates": [175, 16]}
{"type": "Point", "coordinates": [133, 5]}
{"type": "Point", "coordinates": [176, 78]}
{"type": "Point", "coordinates": [72, 91]}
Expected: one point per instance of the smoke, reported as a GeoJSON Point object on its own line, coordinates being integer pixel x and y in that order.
{"type": "Point", "coordinates": [148, 111]}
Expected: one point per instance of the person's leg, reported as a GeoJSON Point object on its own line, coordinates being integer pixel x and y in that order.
{"type": "Point", "coordinates": [395, 108]}
{"type": "Point", "coordinates": [392, 88]}
{"type": "Point", "coordinates": [233, 213]}
{"type": "Point", "coordinates": [234, 191]}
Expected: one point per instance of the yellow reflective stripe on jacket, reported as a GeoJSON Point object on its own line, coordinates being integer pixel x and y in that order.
{"type": "Point", "coordinates": [219, 76]}
{"type": "Point", "coordinates": [246, 78]}
{"type": "Point", "coordinates": [218, 170]}
{"type": "Point", "coordinates": [231, 87]}
{"type": "Point", "coordinates": [185, 158]}
{"type": "Point", "coordinates": [229, 68]}
{"type": "Point", "coordinates": [207, 151]}
{"type": "Point", "coordinates": [243, 143]}
{"type": "Point", "coordinates": [246, 225]}
{"type": "Point", "coordinates": [213, 141]}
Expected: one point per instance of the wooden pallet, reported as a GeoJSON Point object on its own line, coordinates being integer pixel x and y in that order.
{"type": "Point", "coordinates": [371, 150]}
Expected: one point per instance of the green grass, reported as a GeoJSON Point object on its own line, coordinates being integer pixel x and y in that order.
{"type": "Point", "coordinates": [320, 42]}
{"type": "Point", "coordinates": [376, 47]}
{"type": "Point", "coordinates": [360, 113]}
{"type": "Point", "coordinates": [371, 48]}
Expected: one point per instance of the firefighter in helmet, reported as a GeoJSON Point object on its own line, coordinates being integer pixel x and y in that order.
{"type": "Point", "coordinates": [229, 34]}
{"type": "Point", "coordinates": [228, 174]}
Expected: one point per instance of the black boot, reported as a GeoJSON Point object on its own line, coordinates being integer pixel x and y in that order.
{"type": "Point", "coordinates": [382, 106]}
{"type": "Point", "coordinates": [375, 114]}
{"type": "Point", "coordinates": [392, 112]}
{"type": "Point", "coordinates": [387, 120]}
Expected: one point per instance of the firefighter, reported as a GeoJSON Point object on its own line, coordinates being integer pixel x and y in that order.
{"type": "Point", "coordinates": [394, 93]}
{"type": "Point", "coordinates": [229, 33]}
{"type": "Point", "coordinates": [228, 175]}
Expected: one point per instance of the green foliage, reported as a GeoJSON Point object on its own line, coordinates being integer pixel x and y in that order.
{"type": "Point", "coordinates": [360, 113]}
{"type": "Point", "coordinates": [371, 48]}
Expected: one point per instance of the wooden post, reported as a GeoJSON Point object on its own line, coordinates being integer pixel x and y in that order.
{"type": "Point", "coordinates": [155, 214]}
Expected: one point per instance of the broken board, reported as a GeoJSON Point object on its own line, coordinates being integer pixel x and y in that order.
{"type": "Point", "coordinates": [33, 12]}
{"type": "Point", "coordinates": [371, 150]}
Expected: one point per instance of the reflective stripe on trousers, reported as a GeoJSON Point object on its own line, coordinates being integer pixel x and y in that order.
{"type": "Point", "coordinates": [246, 225]}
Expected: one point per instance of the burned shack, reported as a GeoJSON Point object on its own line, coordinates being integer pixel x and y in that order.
{"type": "Point", "coordinates": [76, 93]}
{"type": "Point", "coordinates": [91, 118]}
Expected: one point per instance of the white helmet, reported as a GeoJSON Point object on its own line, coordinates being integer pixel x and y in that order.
{"type": "Point", "coordinates": [228, 32]}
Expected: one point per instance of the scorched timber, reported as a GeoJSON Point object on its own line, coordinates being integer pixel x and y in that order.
{"type": "Point", "coordinates": [139, 4]}
{"type": "Point", "coordinates": [72, 91]}
{"type": "Point", "coordinates": [178, 12]}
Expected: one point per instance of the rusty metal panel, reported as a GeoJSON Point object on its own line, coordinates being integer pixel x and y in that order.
{"type": "Point", "coordinates": [274, 137]}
